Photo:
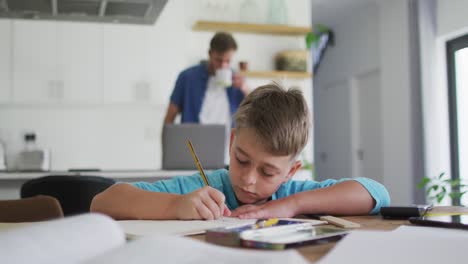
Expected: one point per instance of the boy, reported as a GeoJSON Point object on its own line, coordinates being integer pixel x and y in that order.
{"type": "Point", "coordinates": [271, 130]}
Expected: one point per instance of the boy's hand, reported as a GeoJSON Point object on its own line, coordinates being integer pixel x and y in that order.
{"type": "Point", "coordinates": [276, 208]}
{"type": "Point", "coordinates": [206, 203]}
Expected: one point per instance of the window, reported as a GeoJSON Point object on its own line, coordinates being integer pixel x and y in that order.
{"type": "Point", "coordinates": [457, 63]}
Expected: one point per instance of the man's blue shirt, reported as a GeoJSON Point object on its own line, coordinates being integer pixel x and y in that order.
{"type": "Point", "coordinates": [189, 92]}
{"type": "Point", "coordinates": [220, 180]}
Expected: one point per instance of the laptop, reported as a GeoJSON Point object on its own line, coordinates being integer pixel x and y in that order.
{"type": "Point", "coordinates": [208, 142]}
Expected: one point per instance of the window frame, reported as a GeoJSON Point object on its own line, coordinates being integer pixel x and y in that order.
{"type": "Point", "coordinates": [452, 47]}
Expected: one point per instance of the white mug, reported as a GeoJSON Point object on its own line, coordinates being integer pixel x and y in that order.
{"type": "Point", "coordinates": [223, 77]}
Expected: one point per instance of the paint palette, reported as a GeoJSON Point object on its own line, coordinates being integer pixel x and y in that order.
{"type": "Point", "coordinates": [283, 234]}
{"type": "Point", "coordinates": [282, 237]}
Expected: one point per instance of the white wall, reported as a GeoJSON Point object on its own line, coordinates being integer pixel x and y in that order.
{"type": "Point", "coordinates": [356, 52]}
{"type": "Point", "coordinates": [397, 101]}
{"type": "Point", "coordinates": [374, 36]}
{"type": "Point", "coordinates": [121, 136]}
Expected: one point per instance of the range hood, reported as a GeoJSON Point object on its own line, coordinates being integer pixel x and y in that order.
{"type": "Point", "coordinates": [111, 11]}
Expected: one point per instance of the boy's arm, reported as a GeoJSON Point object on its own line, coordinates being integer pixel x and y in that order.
{"type": "Point", "coordinates": [124, 201]}
{"type": "Point", "coordinates": [344, 198]}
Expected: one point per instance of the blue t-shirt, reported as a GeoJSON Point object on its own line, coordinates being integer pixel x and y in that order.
{"type": "Point", "coordinates": [190, 89]}
{"type": "Point", "coordinates": [220, 180]}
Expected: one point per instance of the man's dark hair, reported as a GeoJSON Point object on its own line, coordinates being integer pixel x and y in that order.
{"type": "Point", "coordinates": [222, 42]}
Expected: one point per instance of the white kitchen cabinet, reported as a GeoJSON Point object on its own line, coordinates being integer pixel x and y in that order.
{"type": "Point", "coordinates": [35, 62]}
{"type": "Point", "coordinates": [57, 62]}
{"type": "Point", "coordinates": [126, 72]}
{"type": "Point", "coordinates": [79, 61]}
{"type": "Point", "coordinates": [5, 60]}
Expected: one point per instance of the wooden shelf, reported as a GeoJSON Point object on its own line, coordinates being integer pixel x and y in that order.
{"type": "Point", "coordinates": [277, 74]}
{"type": "Point", "coordinates": [271, 29]}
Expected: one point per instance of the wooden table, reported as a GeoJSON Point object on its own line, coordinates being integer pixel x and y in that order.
{"type": "Point", "coordinates": [314, 252]}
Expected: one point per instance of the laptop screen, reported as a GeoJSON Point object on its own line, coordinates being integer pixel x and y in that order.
{"type": "Point", "coordinates": [208, 142]}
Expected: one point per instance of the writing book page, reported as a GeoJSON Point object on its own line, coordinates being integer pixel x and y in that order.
{"type": "Point", "coordinates": [173, 249]}
{"type": "Point", "coordinates": [68, 240]}
{"type": "Point", "coordinates": [407, 244]}
{"type": "Point", "coordinates": [137, 228]}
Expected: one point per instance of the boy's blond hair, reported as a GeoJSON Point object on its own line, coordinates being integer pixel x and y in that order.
{"type": "Point", "coordinates": [279, 118]}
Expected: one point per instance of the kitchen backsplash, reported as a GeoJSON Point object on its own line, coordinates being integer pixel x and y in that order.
{"type": "Point", "coordinates": [107, 137]}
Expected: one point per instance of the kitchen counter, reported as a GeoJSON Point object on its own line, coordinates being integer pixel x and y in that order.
{"type": "Point", "coordinates": [11, 181]}
{"type": "Point", "coordinates": [120, 174]}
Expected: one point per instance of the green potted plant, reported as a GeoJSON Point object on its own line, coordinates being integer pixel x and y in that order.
{"type": "Point", "coordinates": [317, 42]}
{"type": "Point", "coordinates": [441, 187]}
{"type": "Point", "coordinates": [307, 165]}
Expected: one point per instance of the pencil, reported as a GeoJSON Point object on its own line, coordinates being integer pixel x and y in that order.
{"type": "Point", "coordinates": [266, 223]}
{"type": "Point", "coordinates": [197, 162]}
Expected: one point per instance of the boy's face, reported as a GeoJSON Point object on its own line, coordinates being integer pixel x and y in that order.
{"type": "Point", "coordinates": [255, 173]}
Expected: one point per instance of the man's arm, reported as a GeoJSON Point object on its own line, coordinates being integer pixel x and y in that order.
{"type": "Point", "coordinates": [171, 113]}
{"type": "Point", "coordinates": [345, 198]}
{"type": "Point", "coordinates": [238, 81]}
{"type": "Point", "coordinates": [124, 201]}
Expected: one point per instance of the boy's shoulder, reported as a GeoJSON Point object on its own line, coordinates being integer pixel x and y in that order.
{"type": "Point", "coordinates": [218, 177]}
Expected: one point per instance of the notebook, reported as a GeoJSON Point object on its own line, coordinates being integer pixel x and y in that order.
{"type": "Point", "coordinates": [172, 249]}
{"type": "Point", "coordinates": [71, 239]}
{"type": "Point", "coordinates": [138, 228]}
{"type": "Point", "coordinates": [208, 140]}
{"type": "Point", "coordinates": [407, 244]}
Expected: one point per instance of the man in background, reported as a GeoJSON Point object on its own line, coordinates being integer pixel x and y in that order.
{"type": "Point", "coordinates": [209, 93]}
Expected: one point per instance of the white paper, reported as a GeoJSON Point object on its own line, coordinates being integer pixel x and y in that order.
{"type": "Point", "coordinates": [68, 240]}
{"type": "Point", "coordinates": [407, 244]}
{"type": "Point", "coordinates": [138, 228]}
{"type": "Point", "coordinates": [172, 249]}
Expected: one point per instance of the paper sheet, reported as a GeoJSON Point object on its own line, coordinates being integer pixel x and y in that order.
{"type": "Point", "coordinates": [172, 249]}
{"type": "Point", "coordinates": [138, 228]}
{"type": "Point", "coordinates": [67, 240]}
{"type": "Point", "coordinates": [407, 244]}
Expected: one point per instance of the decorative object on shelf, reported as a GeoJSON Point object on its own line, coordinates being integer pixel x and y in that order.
{"type": "Point", "coordinates": [243, 65]}
{"type": "Point", "coordinates": [249, 12]}
{"type": "Point", "coordinates": [277, 12]}
{"type": "Point", "coordinates": [292, 60]}
{"type": "Point", "coordinates": [317, 42]}
{"type": "Point", "coordinates": [441, 187]}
